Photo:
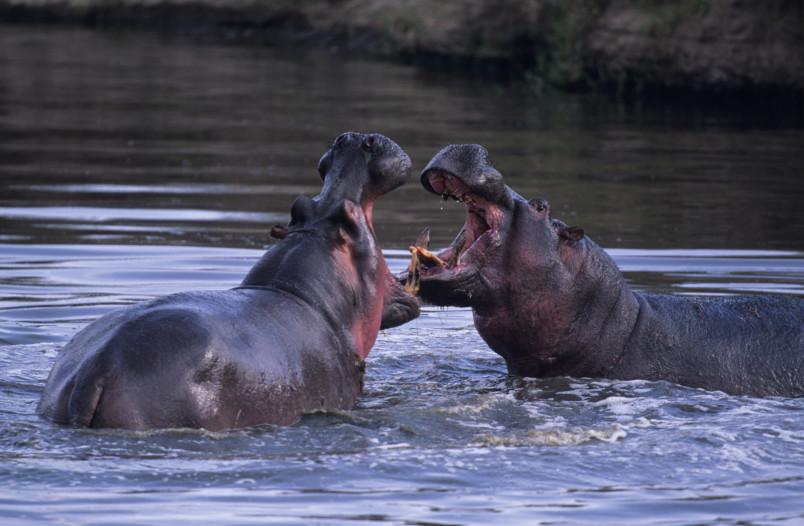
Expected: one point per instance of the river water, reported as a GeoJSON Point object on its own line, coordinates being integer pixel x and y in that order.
{"type": "Point", "coordinates": [132, 166]}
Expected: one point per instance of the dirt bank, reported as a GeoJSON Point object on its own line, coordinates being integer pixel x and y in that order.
{"type": "Point", "coordinates": [687, 45]}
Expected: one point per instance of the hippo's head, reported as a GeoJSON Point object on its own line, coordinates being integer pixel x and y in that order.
{"type": "Point", "coordinates": [536, 286]}
{"type": "Point", "coordinates": [507, 243]}
{"type": "Point", "coordinates": [362, 166]}
{"type": "Point", "coordinates": [330, 245]}
{"type": "Point", "coordinates": [356, 170]}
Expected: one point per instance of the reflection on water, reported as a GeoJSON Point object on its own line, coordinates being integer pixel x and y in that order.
{"type": "Point", "coordinates": [116, 148]}
{"type": "Point", "coordinates": [154, 127]}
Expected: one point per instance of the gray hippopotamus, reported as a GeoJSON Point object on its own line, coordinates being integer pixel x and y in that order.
{"type": "Point", "coordinates": [291, 339]}
{"type": "Point", "coordinates": [552, 303]}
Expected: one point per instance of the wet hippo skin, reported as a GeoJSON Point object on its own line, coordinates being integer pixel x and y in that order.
{"type": "Point", "coordinates": [291, 339]}
{"type": "Point", "coordinates": [551, 302]}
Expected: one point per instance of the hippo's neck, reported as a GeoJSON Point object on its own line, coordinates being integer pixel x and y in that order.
{"type": "Point", "coordinates": [578, 326]}
{"type": "Point", "coordinates": [345, 288]}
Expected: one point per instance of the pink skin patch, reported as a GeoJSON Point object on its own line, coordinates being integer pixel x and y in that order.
{"type": "Point", "coordinates": [370, 286]}
{"type": "Point", "coordinates": [364, 331]}
{"type": "Point", "coordinates": [481, 226]}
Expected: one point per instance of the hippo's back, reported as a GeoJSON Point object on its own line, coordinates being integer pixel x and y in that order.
{"type": "Point", "coordinates": [201, 359]}
{"type": "Point", "coordinates": [737, 344]}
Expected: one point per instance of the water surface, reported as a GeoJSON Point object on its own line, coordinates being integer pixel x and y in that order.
{"type": "Point", "coordinates": [131, 138]}
{"type": "Point", "coordinates": [133, 166]}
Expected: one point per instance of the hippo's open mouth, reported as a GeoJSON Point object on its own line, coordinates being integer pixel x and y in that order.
{"type": "Point", "coordinates": [480, 231]}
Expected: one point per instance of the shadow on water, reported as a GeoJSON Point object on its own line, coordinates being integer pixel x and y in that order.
{"type": "Point", "coordinates": [116, 148]}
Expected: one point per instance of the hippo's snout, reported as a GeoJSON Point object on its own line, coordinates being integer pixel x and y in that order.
{"type": "Point", "coordinates": [363, 166]}
{"type": "Point", "coordinates": [469, 164]}
{"type": "Point", "coordinates": [389, 167]}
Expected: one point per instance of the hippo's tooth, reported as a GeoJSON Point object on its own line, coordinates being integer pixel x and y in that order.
{"type": "Point", "coordinates": [413, 283]}
{"type": "Point", "coordinates": [425, 255]}
{"type": "Point", "coordinates": [418, 252]}
{"type": "Point", "coordinates": [457, 248]}
{"type": "Point", "coordinates": [423, 240]}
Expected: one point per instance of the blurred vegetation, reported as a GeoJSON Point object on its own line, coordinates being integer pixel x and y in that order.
{"type": "Point", "coordinates": [627, 46]}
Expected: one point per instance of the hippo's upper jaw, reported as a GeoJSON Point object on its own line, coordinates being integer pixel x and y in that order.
{"type": "Point", "coordinates": [361, 167]}
{"type": "Point", "coordinates": [356, 170]}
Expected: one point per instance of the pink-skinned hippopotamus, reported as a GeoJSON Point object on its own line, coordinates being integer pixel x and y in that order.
{"type": "Point", "coordinates": [291, 339]}
{"type": "Point", "coordinates": [551, 302]}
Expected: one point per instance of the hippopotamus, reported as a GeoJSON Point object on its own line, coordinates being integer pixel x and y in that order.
{"type": "Point", "coordinates": [551, 302]}
{"type": "Point", "coordinates": [290, 339]}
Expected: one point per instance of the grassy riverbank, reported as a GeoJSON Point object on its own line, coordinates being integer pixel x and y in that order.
{"type": "Point", "coordinates": [641, 45]}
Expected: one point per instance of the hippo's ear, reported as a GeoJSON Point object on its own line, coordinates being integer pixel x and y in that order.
{"type": "Point", "coordinates": [302, 210]}
{"type": "Point", "coordinates": [571, 233]}
{"type": "Point", "coordinates": [279, 232]}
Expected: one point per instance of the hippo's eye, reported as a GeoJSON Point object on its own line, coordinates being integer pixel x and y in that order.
{"type": "Point", "coordinates": [539, 204]}
{"type": "Point", "coordinates": [369, 142]}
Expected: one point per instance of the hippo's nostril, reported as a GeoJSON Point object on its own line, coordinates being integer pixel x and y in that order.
{"type": "Point", "coordinates": [369, 142]}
